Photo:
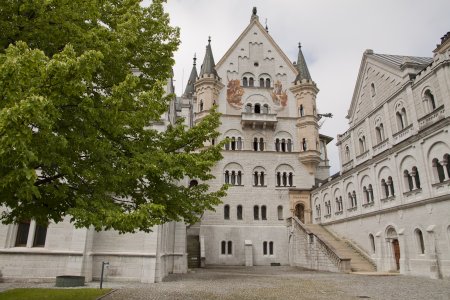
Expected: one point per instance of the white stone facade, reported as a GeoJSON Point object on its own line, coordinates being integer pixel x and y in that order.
{"type": "Point", "coordinates": [393, 194]}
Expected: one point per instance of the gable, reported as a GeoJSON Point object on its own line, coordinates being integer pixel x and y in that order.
{"type": "Point", "coordinates": [257, 54]}
{"type": "Point", "coordinates": [376, 82]}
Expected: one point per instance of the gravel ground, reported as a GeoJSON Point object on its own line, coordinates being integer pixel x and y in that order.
{"type": "Point", "coordinates": [273, 283]}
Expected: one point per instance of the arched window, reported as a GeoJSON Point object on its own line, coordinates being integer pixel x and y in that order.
{"type": "Point", "coordinates": [261, 144]}
{"type": "Point", "coordinates": [239, 212]}
{"type": "Point", "coordinates": [255, 179]}
{"type": "Point", "coordinates": [226, 212]}
{"type": "Point", "coordinates": [270, 248]}
{"type": "Point", "coordinates": [283, 145]}
{"type": "Point", "coordinates": [408, 180]}
{"type": "Point", "coordinates": [304, 145]}
{"type": "Point", "coordinates": [267, 83]}
{"type": "Point", "coordinates": [284, 179]}
{"type": "Point", "coordinates": [280, 212]}
{"type": "Point", "coordinates": [201, 105]}
{"type": "Point", "coordinates": [429, 100]}
{"type": "Point", "coordinates": [291, 179]}
{"type": "Point", "coordinates": [301, 110]}
{"type": "Point", "coordinates": [230, 247]}
{"type": "Point", "coordinates": [264, 248]}
{"type": "Point", "coordinates": [233, 177]}
{"type": "Point", "coordinates": [289, 145]}
{"type": "Point", "coordinates": [239, 178]}
{"type": "Point", "coordinates": [223, 247]}
{"type": "Point", "coordinates": [438, 170]}
{"type": "Point", "coordinates": [400, 124]}
{"type": "Point", "coordinates": [261, 178]}
{"type": "Point", "coordinates": [415, 174]}
{"type": "Point", "coordinates": [244, 81]}
{"type": "Point", "coordinates": [261, 82]}
{"type": "Point", "coordinates": [390, 183]}
{"type": "Point", "coordinates": [248, 108]}
{"type": "Point", "coordinates": [420, 242]}
{"type": "Point", "coordinates": [265, 109]}
{"type": "Point", "coordinates": [347, 153]}
{"type": "Point", "coordinates": [341, 203]}
{"type": "Point", "coordinates": [255, 144]}
{"type": "Point", "coordinates": [227, 177]}
{"type": "Point", "coordinates": [263, 212]}
{"type": "Point", "coordinates": [239, 143]}
{"type": "Point", "coordinates": [372, 90]}
{"type": "Point", "coordinates": [251, 82]}
{"type": "Point", "coordinates": [379, 134]}
{"type": "Point", "coordinates": [447, 164]}
{"type": "Point", "coordinates": [370, 189]}
{"type": "Point", "coordinates": [362, 144]}
{"type": "Point", "coordinates": [350, 199]}
{"type": "Point", "coordinates": [278, 179]}
{"type": "Point", "coordinates": [277, 145]}
{"type": "Point", "coordinates": [233, 143]}
{"type": "Point", "coordinates": [355, 203]}
{"type": "Point", "coordinates": [257, 108]}
{"type": "Point", "coordinates": [366, 194]}
{"type": "Point", "coordinates": [384, 188]}
{"type": "Point", "coordinates": [256, 212]}
{"type": "Point", "coordinates": [372, 243]}
{"type": "Point", "coordinates": [227, 145]}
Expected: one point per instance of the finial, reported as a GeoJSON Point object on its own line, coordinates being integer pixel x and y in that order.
{"type": "Point", "coordinates": [299, 45]}
{"type": "Point", "coordinates": [254, 11]}
{"type": "Point", "coordinates": [195, 59]}
{"type": "Point", "coordinates": [209, 39]}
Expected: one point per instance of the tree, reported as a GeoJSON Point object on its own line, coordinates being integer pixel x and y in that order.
{"type": "Point", "coordinates": [74, 118]}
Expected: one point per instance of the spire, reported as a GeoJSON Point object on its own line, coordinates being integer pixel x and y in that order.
{"type": "Point", "coordinates": [208, 66]}
{"type": "Point", "coordinates": [302, 68]}
{"type": "Point", "coordinates": [190, 85]}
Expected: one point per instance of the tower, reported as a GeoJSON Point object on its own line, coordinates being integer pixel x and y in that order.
{"type": "Point", "coordinates": [207, 86]}
{"type": "Point", "coordinates": [305, 92]}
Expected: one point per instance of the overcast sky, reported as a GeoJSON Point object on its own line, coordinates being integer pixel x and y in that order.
{"type": "Point", "coordinates": [334, 35]}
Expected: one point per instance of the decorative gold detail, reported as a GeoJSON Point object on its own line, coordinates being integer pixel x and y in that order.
{"type": "Point", "coordinates": [234, 93]}
{"type": "Point", "coordinates": [279, 96]}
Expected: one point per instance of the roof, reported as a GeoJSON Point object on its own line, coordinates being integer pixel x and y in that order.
{"type": "Point", "coordinates": [303, 72]}
{"type": "Point", "coordinates": [189, 91]}
{"type": "Point", "coordinates": [208, 66]}
{"type": "Point", "coordinates": [399, 60]}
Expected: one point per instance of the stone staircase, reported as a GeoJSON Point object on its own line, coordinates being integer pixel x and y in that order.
{"type": "Point", "coordinates": [358, 262]}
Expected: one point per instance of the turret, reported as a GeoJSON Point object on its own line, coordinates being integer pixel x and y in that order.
{"type": "Point", "coordinates": [207, 86]}
{"type": "Point", "coordinates": [305, 92]}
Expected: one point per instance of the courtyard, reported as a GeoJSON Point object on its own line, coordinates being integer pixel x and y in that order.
{"type": "Point", "coordinates": [283, 283]}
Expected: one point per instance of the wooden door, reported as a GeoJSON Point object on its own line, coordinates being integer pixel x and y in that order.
{"type": "Point", "coordinates": [193, 251]}
{"type": "Point", "coordinates": [396, 247]}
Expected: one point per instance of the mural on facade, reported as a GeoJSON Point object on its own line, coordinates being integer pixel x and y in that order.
{"type": "Point", "coordinates": [279, 96]}
{"type": "Point", "coordinates": [235, 93]}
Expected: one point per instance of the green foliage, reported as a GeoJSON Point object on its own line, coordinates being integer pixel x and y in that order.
{"type": "Point", "coordinates": [74, 118]}
{"type": "Point", "coordinates": [53, 294]}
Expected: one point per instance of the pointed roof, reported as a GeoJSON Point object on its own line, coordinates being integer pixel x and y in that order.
{"type": "Point", "coordinates": [192, 78]}
{"type": "Point", "coordinates": [208, 66]}
{"type": "Point", "coordinates": [302, 68]}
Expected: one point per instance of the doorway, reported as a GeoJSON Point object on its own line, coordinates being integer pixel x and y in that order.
{"type": "Point", "coordinates": [193, 251]}
{"type": "Point", "coordinates": [396, 248]}
{"type": "Point", "coordinates": [300, 212]}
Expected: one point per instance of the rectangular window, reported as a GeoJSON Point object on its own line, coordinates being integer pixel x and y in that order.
{"type": "Point", "coordinates": [39, 236]}
{"type": "Point", "coordinates": [22, 234]}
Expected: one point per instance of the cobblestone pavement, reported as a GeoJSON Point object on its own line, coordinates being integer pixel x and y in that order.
{"type": "Point", "coordinates": [273, 283]}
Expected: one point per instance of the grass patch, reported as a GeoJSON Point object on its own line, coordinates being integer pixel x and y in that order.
{"type": "Point", "coordinates": [53, 294]}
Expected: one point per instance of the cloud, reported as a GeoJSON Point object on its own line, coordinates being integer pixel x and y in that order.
{"type": "Point", "coordinates": [334, 35]}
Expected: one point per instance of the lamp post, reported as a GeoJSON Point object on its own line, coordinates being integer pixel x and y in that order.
{"type": "Point", "coordinates": [101, 277]}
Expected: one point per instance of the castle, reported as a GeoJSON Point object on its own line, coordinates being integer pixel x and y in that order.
{"type": "Point", "coordinates": [390, 204]}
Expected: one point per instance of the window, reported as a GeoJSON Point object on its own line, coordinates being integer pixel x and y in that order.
{"type": "Point", "coordinates": [267, 250]}
{"type": "Point", "coordinates": [239, 143]}
{"type": "Point", "coordinates": [239, 212]}
{"type": "Point", "coordinates": [354, 203]}
{"type": "Point", "coordinates": [362, 144]}
{"type": "Point", "coordinates": [257, 108]}
{"type": "Point", "coordinates": [261, 144]}
{"type": "Point", "coordinates": [379, 130]}
{"type": "Point", "coordinates": [261, 178]}
{"type": "Point", "coordinates": [265, 109]}
{"type": "Point", "coordinates": [420, 243]}
{"type": "Point", "coordinates": [256, 212]}
{"type": "Point", "coordinates": [261, 82]}
{"type": "Point", "coordinates": [430, 103]}
{"type": "Point", "coordinates": [230, 247]}
{"type": "Point", "coordinates": [201, 105]}
{"type": "Point", "coordinates": [401, 119]}
{"type": "Point", "coordinates": [283, 145]}
{"type": "Point", "coordinates": [258, 178]}
{"type": "Point", "coordinates": [304, 145]}
{"type": "Point", "coordinates": [372, 90]}
{"type": "Point", "coordinates": [227, 177]}
{"type": "Point", "coordinates": [438, 171]}
{"type": "Point", "coordinates": [372, 243]}
{"type": "Point", "coordinates": [391, 185]}
{"type": "Point", "coordinates": [248, 108]}
{"type": "Point", "coordinates": [223, 247]}
{"type": "Point", "coordinates": [270, 248]}
{"type": "Point", "coordinates": [267, 83]}
{"type": "Point", "coordinates": [366, 194]}
{"type": "Point", "coordinates": [226, 212]}
{"type": "Point", "coordinates": [263, 212]}
{"type": "Point", "coordinates": [370, 189]}
{"type": "Point", "coordinates": [289, 145]}
{"type": "Point", "coordinates": [412, 179]}
{"type": "Point", "coordinates": [291, 179]}
{"type": "Point", "coordinates": [264, 248]}
{"type": "Point", "coordinates": [239, 178]}
{"type": "Point", "coordinates": [38, 234]}
{"type": "Point", "coordinates": [278, 179]}
{"type": "Point", "coordinates": [347, 153]}
{"type": "Point", "coordinates": [233, 143]}
{"type": "Point", "coordinates": [301, 110]}
{"type": "Point", "coordinates": [244, 81]}
{"type": "Point", "coordinates": [251, 82]}
{"type": "Point", "coordinates": [415, 173]}
{"type": "Point", "coordinates": [277, 145]}
{"type": "Point", "coordinates": [193, 183]}
{"type": "Point", "coordinates": [226, 248]}
{"type": "Point", "coordinates": [280, 212]}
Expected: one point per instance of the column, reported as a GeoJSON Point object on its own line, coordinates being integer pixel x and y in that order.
{"type": "Point", "coordinates": [444, 165]}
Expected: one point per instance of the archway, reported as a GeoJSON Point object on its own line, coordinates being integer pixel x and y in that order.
{"type": "Point", "coordinates": [300, 212]}
{"type": "Point", "coordinates": [392, 239]}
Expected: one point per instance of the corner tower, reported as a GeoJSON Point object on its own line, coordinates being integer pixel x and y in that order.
{"type": "Point", "coordinates": [305, 92]}
{"type": "Point", "coordinates": [207, 86]}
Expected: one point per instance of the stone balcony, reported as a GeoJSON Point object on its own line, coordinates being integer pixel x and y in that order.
{"type": "Point", "coordinates": [403, 134]}
{"type": "Point", "coordinates": [380, 147]}
{"type": "Point", "coordinates": [433, 117]}
{"type": "Point", "coordinates": [254, 120]}
{"type": "Point", "coordinates": [343, 137]}
{"type": "Point", "coordinates": [347, 166]}
{"type": "Point", "coordinates": [362, 157]}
